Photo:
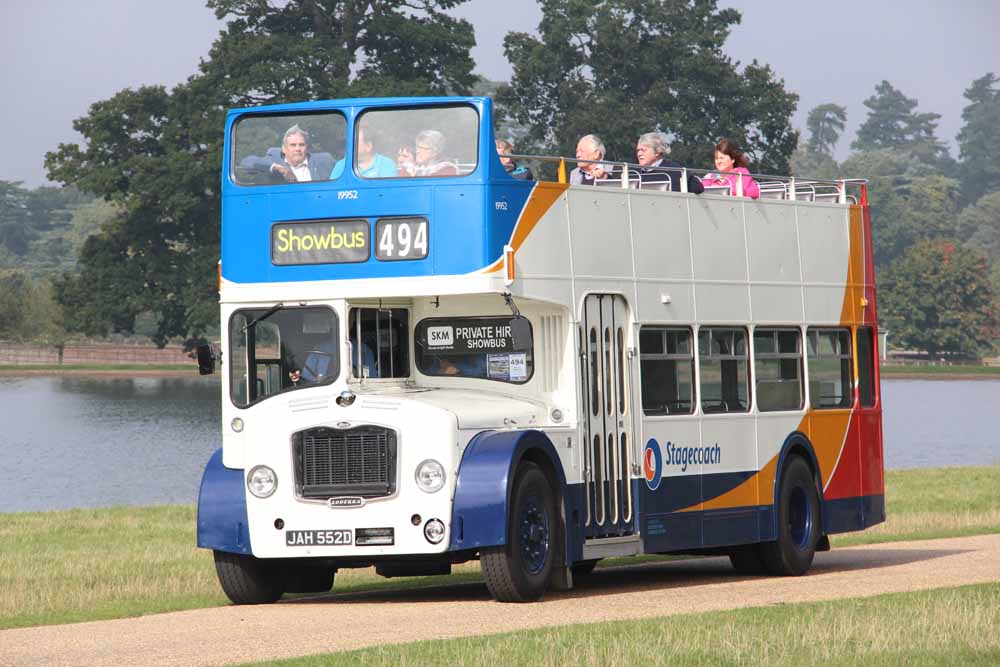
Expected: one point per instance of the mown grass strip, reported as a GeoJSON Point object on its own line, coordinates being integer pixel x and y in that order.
{"type": "Point", "coordinates": [892, 371]}
{"type": "Point", "coordinates": [81, 565]}
{"type": "Point", "coordinates": [947, 626]}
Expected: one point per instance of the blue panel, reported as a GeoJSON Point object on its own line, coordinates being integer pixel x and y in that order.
{"type": "Point", "coordinates": [843, 515]}
{"type": "Point", "coordinates": [873, 509]}
{"type": "Point", "coordinates": [482, 492]}
{"type": "Point", "coordinates": [671, 532]}
{"type": "Point", "coordinates": [470, 217]}
{"type": "Point", "coordinates": [725, 527]}
{"type": "Point", "coordinates": [676, 493]}
{"type": "Point", "coordinates": [222, 509]}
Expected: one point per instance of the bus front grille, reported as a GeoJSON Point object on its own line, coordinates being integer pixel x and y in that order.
{"type": "Point", "coordinates": [359, 461]}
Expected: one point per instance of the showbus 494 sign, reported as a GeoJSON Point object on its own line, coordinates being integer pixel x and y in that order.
{"type": "Point", "coordinates": [470, 336]}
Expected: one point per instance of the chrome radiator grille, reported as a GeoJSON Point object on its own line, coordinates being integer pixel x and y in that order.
{"type": "Point", "coordinates": [358, 461]}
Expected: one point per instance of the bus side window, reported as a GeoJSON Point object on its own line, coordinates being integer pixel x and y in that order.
{"type": "Point", "coordinates": [866, 367]}
{"type": "Point", "coordinates": [778, 369]}
{"type": "Point", "coordinates": [724, 375]}
{"type": "Point", "coordinates": [830, 368]}
{"type": "Point", "coordinates": [666, 371]}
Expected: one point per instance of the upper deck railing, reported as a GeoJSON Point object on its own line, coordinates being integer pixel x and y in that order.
{"type": "Point", "coordinates": [627, 175]}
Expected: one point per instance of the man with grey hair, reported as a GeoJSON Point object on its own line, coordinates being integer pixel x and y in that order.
{"type": "Point", "coordinates": [651, 153]}
{"type": "Point", "coordinates": [589, 148]}
{"type": "Point", "coordinates": [294, 164]}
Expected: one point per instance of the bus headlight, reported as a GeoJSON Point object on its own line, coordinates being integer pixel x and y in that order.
{"type": "Point", "coordinates": [434, 531]}
{"type": "Point", "coordinates": [262, 481]}
{"type": "Point", "coordinates": [430, 476]}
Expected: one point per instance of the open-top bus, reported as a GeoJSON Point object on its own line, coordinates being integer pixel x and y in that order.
{"type": "Point", "coordinates": [421, 368]}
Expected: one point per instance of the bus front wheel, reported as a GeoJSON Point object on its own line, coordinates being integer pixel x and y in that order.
{"type": "Point", "coordinates": [798, 522]}
{"type": "Point", "coordinates": [520, 570]}
{"type": "Point", "coordinates": [248, 580]}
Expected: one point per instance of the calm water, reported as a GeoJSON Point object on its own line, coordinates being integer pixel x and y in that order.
{"type": "Point", "coordinates": [90, 442]}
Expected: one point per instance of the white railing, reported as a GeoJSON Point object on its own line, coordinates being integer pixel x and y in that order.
{"type": "Point", "coordinates": [627, 175]}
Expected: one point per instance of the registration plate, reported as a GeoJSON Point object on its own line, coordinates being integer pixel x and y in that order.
{"type": "Point", "coordinates": [318, 538]}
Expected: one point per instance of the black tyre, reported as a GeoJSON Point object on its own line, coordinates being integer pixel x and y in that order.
{"type": "Point", "coordinates": [520, 570]}
{"type": "Point", "coordinates": [798, 522]}
{"type": "Point", "coordinates": [584, 568]}
{"type": "Point", "coordinates": [248, 580]}
{"type": "Point", "coordinates": [746, 559]}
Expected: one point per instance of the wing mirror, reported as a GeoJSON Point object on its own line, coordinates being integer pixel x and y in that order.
{"type": "Point", "coordinates": [206, 359]}
{"type": "Point", "coordinates": [520, 333]}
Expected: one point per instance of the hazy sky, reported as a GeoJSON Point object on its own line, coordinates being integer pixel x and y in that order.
{"type": "Point", "coordinates": [60, 56]}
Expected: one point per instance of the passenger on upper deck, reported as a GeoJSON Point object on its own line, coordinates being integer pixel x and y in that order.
{"type": "Point", "coordinates": [370, 164]}
{"type": "Point", "coordinates": [295, 163]}
{"type": "Point", "coordinates": [728, 158]}
{"type": "Point", "coordinates": [651, 152]}
{"type": "Point", "coordinates": [589, 147]}
{"type": "Point", "coordinates": [517, 171]}
{"type": "Point", "coordinates": [425, 160]}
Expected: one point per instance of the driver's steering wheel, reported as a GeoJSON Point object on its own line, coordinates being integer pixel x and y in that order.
{"type": "Point", "coordinates": [316, 365]}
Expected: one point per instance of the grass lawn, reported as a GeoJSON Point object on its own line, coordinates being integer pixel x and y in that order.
{"type": "Point", "coordinates": [77, 565]}
{"type": "Point", "coordinates": [892, 371]}
{"type": "Point", "coordinates": [950, 626]}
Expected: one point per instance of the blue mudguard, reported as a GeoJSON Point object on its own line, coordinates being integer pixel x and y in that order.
{"type": "Point", "coordinates": [482, 493]}
{"type": "Point", "coordinates": [222, 509]}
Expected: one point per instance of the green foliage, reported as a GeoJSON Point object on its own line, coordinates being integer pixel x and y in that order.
{"type": "Point", "coordinates": [909, 199]}
{"type": "Point", "coordinates": [157, 154]}
{"type": "Point", "coordinates": [937, 297]}
{"type": "Point", "coordinates": [806, 163]}
{"type": "Point", "coordinates": [979, 139]}
{"type": "Point", "coordinates": [825, 124]}
{"type": "Point", "coordinates": [28, 215]}
{"type": "Point", "coordinates": [620, 68]}
{"type": "Point", "coordinates": [893, 123]}
{"type": "Point", "coordinates": [27, 310]}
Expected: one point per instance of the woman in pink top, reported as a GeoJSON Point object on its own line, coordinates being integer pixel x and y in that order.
{"type": "Point", "coordinates": [729, 159]}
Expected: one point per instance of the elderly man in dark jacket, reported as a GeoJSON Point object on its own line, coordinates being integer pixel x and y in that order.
{"type": "Point", "coordinates": [651, 153]}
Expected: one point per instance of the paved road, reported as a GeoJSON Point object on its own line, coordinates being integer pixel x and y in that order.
{"type": "Point", "coordinates": [334, 622]}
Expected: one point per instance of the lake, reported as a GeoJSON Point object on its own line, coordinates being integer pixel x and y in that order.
{"type": "Point", "coordinates": [77, 441]}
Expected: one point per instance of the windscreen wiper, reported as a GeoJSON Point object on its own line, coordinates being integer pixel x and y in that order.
{"type": "Point", "coordinates": [270, 311]}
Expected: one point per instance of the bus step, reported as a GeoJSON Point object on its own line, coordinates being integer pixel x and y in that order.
{"type": "Point", "coordinates": [607, 547]}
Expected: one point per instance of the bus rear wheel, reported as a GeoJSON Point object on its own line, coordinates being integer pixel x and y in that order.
{"type": "Point", "coordinates": [520, 570]}
{"type": "Point", "coordinates": [798, 522]}
{"type": "Point", "coordinates": [248, 580]}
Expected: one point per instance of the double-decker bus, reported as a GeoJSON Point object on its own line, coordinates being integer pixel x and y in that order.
{"type": "Point", "coordinates": [425, 361]}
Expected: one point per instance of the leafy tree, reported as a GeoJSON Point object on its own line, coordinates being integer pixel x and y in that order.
{"type": "Point", "coordinates": [619, 68]}
{"type": "Point", "coordinates": [979, 138]}
{"type": "Point", "coordinates": [27, 309]}
{"type": "Point", "coordinates": [893, 123]}
{"type": "Point", "coordinates": [156, 154]}
{"type": "Point", "coordinates": [806, 163]}
{"type": "Point", "coordinates": [938, 297]}
{"type": "Point", "coordinates": [825, 124]}
{"type": "Point", "coordinates": [979, 224]}
{"type": "Point", "coordinates": [909, 200]}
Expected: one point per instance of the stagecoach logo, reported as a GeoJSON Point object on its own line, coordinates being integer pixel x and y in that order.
{"type": "Point", "coordinates": [652, 464]}
{"type": "Point", "coordinates": [346, 501]}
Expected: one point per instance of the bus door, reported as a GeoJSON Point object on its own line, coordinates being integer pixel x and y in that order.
{"type": "Point", "coordinates": [608, 456]}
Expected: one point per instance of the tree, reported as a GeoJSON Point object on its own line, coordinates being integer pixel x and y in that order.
{"type": "Point", "coordinates": [909, 200]}
{"type": "Point", "coordinates": [979, 138]}
{"type": "Point", "coordinates": [938, 297]}
{"type": "Point", "coordinates": [979, 225]}
{"type": "Point", "coordinates": [156, 154]}
{"type": "Point", "coordinates": [893, 123]}
{"type": "Point", "coordinates": [825, 124]}
{"type": "Point", "coordinates": [620, 68]}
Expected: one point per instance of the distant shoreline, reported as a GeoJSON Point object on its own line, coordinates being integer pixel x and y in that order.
{"type": "Point", "coordinates": [104, 370]}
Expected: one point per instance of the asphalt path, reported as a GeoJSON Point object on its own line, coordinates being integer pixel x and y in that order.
{"type": "Point", "coordinates": [332, 622]}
